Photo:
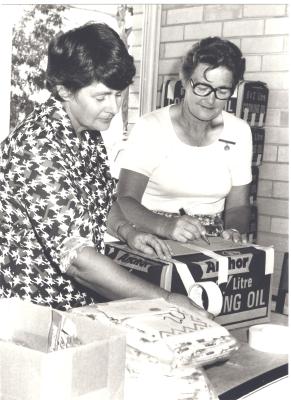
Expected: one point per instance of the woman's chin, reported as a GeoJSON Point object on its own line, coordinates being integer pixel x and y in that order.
{"type": "Point", "coordinates": [103, 125]}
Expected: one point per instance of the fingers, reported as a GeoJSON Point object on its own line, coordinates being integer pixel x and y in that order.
{"type": "Point", "coordinates": [151, 245]}
{"type": "Point", "coordinates": [186, 302]}
{"type": "Point", "coordinates": [187, 228]}
{"type": "Point", "coordinates": [201, 310]}
{"type": "Point", "coordinates": [244, 238]}
{"type": "Point", "coordinates": [234, 235]}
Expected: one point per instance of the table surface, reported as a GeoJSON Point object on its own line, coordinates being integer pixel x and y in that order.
{"type": "Point", "coordinates": [236, 376]}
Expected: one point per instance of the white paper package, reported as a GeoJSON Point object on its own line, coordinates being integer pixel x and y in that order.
{"type": "Point", "coordinates": [166, 348]}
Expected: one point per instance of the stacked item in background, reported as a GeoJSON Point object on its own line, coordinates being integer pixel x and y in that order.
{"type": "Point", "coordinates": [172, 92]}
{"type": "Point", "coordinates": [249, 102]}
{"type": "Point", "coordinates": [167, 346]}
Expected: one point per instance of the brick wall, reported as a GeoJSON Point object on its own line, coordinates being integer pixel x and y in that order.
{"type": "Point", "coordinates": [135, 41]}
{"type": "Point", "coordinates": [261, 31]}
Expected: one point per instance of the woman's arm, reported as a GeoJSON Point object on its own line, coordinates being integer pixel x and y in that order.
{"type": "Point", "coordinates": [120, 227]}
{"type": "Point", "coordinates": [237, 204]}
{"type": "Point", "coordinates": [104, 276]}
{"type": "Point", "coordinates": [237, 212]}
{"type": "Point", "coordinates": [130, 190]}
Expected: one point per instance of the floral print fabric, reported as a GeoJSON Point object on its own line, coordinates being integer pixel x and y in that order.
{"type": "Point", "coordinates": [55, 194]}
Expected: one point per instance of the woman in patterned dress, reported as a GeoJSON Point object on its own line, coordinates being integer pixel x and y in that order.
{"type": "Point", "coordinates": [55, 185]}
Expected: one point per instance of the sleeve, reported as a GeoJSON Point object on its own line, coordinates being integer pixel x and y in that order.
{"type": "Point", "coordinates": [52, 205]}
{"type": "Point", "coordinates": [142, 152]}
{"type": "Point", "coordinates": [241, 168]}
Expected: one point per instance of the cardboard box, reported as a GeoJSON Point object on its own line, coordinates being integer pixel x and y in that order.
{"type": "Point", "coordinates": [246, 285]}
{"type": "Point", "coordinates": [91, 370]}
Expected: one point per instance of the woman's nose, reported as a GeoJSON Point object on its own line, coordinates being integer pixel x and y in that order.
{"type": "Point", "coordinates": [211, 97]}
{"type": "Point", "coordinates": [113, 105]}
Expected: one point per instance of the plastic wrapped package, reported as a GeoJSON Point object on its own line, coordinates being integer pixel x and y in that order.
{"type": "Point", "coordinates": [167, 346]}
{"type": "Point", "coordinates": [146, 377]}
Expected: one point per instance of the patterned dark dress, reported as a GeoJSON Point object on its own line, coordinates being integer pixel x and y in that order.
{"type": "Point", "coordinates": [55, 194]}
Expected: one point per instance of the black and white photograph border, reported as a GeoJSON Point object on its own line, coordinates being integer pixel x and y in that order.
{"type": "Point", "coordinates": [271, 65]}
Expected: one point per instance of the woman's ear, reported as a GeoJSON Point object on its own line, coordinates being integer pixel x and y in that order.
{"type": "Point", "coordinates": [63, 92]}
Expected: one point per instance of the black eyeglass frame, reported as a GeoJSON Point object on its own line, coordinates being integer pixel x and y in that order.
{"type": "Point", "coordinates": [211, 89]}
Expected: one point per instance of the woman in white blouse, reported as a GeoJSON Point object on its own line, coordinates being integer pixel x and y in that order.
{"type": "Point", "coordinates": [186, 169]}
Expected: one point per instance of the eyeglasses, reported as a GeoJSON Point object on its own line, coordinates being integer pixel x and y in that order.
{"type": "Point", "coordinates": [203, 90]}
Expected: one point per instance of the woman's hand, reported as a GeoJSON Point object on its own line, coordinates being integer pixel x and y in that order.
{"type": "Point", "coordinates": [234, 235]}
{"type": "Point", "coordinates": [183, 229]}
{"type": "Point", "coordinates": [186, 302]}
{"type": "Point", "coordinates": [146, 242]}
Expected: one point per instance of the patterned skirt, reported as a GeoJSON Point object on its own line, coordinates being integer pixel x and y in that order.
{"type": "Point", "coordinates": [213, 223]}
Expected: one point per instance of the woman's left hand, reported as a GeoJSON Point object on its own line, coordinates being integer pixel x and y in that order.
{"type": "Point", "coordinates": [234, 235]}
{"type": "Point", "coordinates": [184, 301]}
{"type": "Point", "coordinates": [149, 244]}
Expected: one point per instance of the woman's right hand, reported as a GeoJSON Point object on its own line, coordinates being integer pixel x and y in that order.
{"type": "Point", "coordinates": [183, 229]}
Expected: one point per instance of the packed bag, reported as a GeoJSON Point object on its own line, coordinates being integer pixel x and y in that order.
{"type": "Point", "coordinates": [170, 333]}
{"type": "Point", "coordinates": [167, 346]}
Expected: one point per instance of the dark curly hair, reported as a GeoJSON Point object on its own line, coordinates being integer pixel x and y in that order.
{"type": "Point", "coordinates": [215, 52]}
{"type": "Point", "coordinates": [92, 52]}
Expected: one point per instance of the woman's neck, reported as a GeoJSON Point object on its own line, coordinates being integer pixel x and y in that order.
{"type": "Point", "coordinates": [191, 130]}
{"type": "Point", "coordinates": [75, 124]}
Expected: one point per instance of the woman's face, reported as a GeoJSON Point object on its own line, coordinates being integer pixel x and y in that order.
{"type": "Point", "coordinates": [93, 107]}
{"type": "Point", "coordinates": [209, 107]}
